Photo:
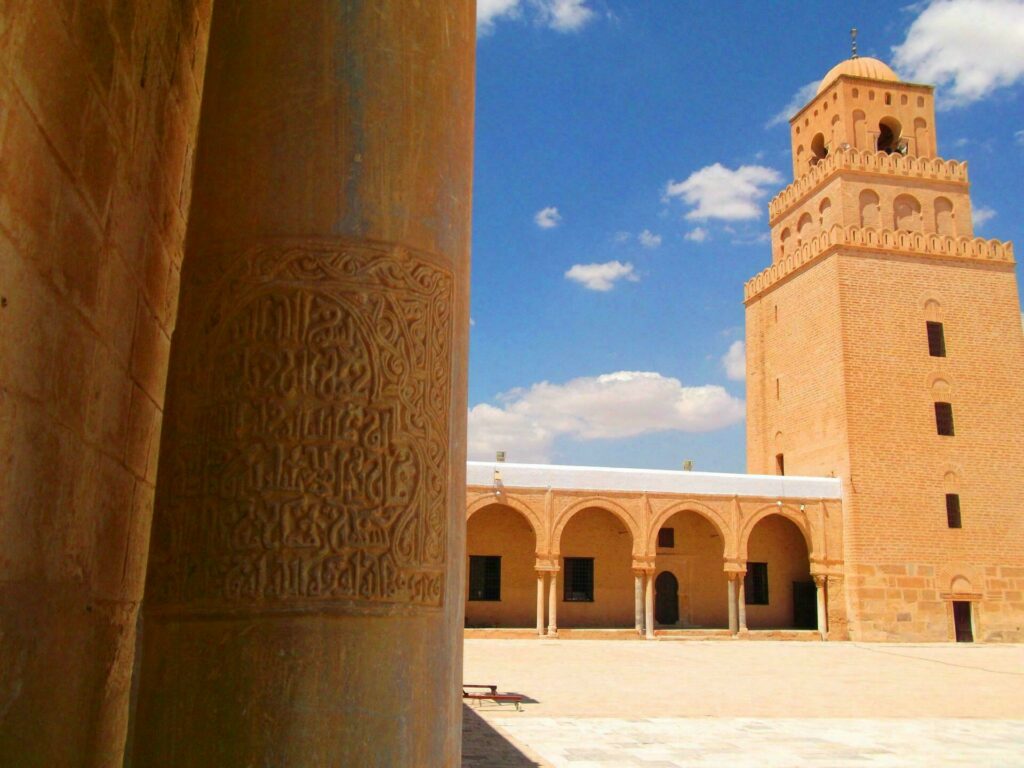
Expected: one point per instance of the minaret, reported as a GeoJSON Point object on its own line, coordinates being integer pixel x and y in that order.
{"type": "Point", "coordinates": [884, 347]}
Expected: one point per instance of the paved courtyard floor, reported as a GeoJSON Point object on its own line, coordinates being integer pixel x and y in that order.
{"type": "Point", "coordinates": [746, 703]}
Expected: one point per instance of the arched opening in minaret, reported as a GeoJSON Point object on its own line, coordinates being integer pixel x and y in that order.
{"type": "Point", "coordinates": [818, 147]}
{"type": "Point", "coordinates": [889, 130]}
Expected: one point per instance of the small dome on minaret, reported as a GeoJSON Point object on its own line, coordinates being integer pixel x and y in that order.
{"type": "Point", "coordinates": [859, 66]}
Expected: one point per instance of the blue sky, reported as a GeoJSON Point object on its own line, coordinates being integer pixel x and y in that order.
{"type": "Point", "coordinates": [625, 156]}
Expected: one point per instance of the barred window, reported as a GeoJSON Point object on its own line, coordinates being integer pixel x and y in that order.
{"type": "Point", "coordinates": [667, 538]}
{"type": "Point", "coordinates": [755, 584]}
{"type": "Point", "coordinates": [578, 580]}
{"type": "Point", "coordinates": [485, 577]}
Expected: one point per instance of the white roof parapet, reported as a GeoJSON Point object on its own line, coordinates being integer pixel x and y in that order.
{"type": "Point", "coordinates": [652, 480]}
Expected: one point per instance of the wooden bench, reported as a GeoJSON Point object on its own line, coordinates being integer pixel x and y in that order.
{"type": "Point", "coordinates": [490, 692]}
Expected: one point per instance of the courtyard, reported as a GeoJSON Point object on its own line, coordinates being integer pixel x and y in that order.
{"type": "Point", "coordinates": [745, 703]}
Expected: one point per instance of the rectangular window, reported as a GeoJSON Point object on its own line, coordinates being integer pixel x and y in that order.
{"type": "Point", "coordinates": [953, 510]}
{"type": "Point", "coordinates": [755, 584]}
{"type": "Point", "coordinates": [780, 464]}
{"type": "Point", "coordinates": [944, 418]}
{"type": "Point", "coordinates": [936, 340]}
{"type": "Point", "coordinates": [578, 579]}
{"type": "Point", "coordinates": [485, 577]}
{"type": "Point", "coordinates": [667, 538]}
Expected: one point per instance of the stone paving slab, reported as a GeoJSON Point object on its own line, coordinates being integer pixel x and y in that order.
{"type": "Point", "coordinates": [770, 743]}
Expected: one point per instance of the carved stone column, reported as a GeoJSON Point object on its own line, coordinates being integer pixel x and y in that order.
{"type": "Point", "coordinates": [540, 602]}
{"type": "Point", "coordinates": [741, 600]}
{"type": "Point", "coordinates": [638, 600]}
{"type": "Point", "coordinates": [649, 605]}
{"type": "Point", "coordinates": [553, 603]}
{"type": "Point", "coordinates": [819, 582]}
{"type": "Point", "coordinates": [733, 618]}
{"type": "Point", "coordinates": [304, 599]}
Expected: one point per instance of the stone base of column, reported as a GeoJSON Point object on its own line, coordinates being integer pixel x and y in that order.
{"type": "Point", "coordinates": [319, 675]}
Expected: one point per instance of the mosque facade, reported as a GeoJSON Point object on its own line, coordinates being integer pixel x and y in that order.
{"type": "Point", "coordinates": [885, 436]}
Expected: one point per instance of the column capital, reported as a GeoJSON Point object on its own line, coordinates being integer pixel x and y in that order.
{"type": "Point", "coordinates": [645, 564]}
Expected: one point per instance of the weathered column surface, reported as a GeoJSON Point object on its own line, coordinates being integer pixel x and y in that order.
{"type": "Point", "coordinates": [741, 601]}
{"type": "Point", "coordinates": [733, 620]}
{"type": "Point", "coordinates": [553, 604]}
{"type": "Point", "coordinates": [540, 602]}
{"type": "Point", "coordinates": [638, 601]}
{"type": "Point", "coordinates": [649, 605]}
{"type": "Point", "coordinates": [303, 604]}
{"type": "Point", "coordinates": [819, 583]}
{"type": "Point", "coordinates": [99, 105]}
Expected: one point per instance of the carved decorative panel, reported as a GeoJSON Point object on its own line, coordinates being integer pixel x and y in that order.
{"type": "Point", "coordinates": [306, 459]}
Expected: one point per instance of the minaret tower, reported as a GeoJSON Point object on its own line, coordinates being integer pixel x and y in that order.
{"type": "Point", "coordinates": [884, 346]}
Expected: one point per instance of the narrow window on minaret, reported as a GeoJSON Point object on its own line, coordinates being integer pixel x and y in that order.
{"type": "Point", "coordinates": [936, 340]}
{"type": "Point", "coordinates": [944, 419]}
{"type": "Point", "coordinates": [780, 464]}
{"type": "Point", "coordinates": [953, 510]}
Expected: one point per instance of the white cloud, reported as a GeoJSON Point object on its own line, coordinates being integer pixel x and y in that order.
{"type": "Point", "coordinates": [717, 192]}
{"type": "Point", "coordinates": [1019, 136]}
{"type": "Point", "coordinates": [804, 94]}
{"type": "Point", "coordinates": [969, 48]}
{"type": "Point", "coordinates": [559, 15]}
{"type": "Point", "coordinates": [622, 237]}
{"type": "Point", "coordinates": [614, 405]}
{"type": "Point", "coordinates": [982, 214]}
{"type": "Point", "coordinates": [735, 361]}
{"type": "Point", "coordinates": [648, 239]}
{"type": "Point", "coordinates": [490, 11]}
{"type": "Point", "coordinates": [697, 235]}
{"type": "Point", "coordinates": [548, 218]}
{"type": "Point", "coordinates": [601, 277]}
{"type": "Point", "coordinates": [565, 15]}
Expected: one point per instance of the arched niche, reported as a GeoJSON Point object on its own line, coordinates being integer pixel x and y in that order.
{"type": "Point", "coordinates": [945, 223]}
{"type": "Point", "coordinates": [599, 535]}
{"type": "Point", "coordinates": [695, 559]}
{"type": "Point", "coordinates": [778, 589]}
{"type": "Point", "coordinates": [906, 210]}
{"type": "Point", "coordinates": [500, 542]}
{"type": "Point", "coordinates": [870, 213]}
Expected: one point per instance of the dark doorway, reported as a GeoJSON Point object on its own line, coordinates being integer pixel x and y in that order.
{"type": "Point", "coordinates": [666, 599]}
{"type": "Point", "coordinates": [962, 621]}
{"type": "Point", "coordinates": [805, 605]}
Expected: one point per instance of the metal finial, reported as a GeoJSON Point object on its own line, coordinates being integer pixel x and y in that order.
{"type": "Point", "coordinates": [853, 42]}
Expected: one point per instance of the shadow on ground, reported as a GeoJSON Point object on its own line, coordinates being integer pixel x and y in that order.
{"type": "Point", "coordinates": [484, 747]}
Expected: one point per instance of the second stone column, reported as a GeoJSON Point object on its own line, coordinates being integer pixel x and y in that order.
{"type": "Point", "coordinates": [303, 603]}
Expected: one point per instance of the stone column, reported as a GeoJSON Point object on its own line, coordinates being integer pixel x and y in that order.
{"type": "Point", "coordinates": [649, 605]}
{"type": "Point", "coordinates": [99, 108]}
{"type": "Point", "coordinates": [741, 601]}
{"type": "Point", "coordinates": [733, 619]}
{"type": "Point", "coordinates": [553, 604]}
{"type": "Point", "coordinates": [304, 597]}
{"type": "Point", "coordinates": [540, 602]}
{"type": "Point", "coordinates": [819, 583]}
{"type": "Point", "coordinates": [638, 600]}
